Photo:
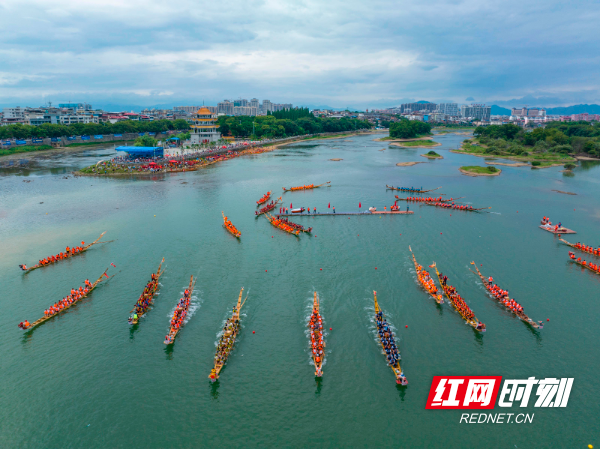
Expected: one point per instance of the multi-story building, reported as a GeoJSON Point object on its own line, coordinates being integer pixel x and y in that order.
{"type": "Point", "coordinates": [240, 102]}
{"type": "Point", "coordinates": [266, 106]}
{"type": "Point", "coordinates": [204, 127]}
{"type": "Point", "coordinates": [244, 110]}
{"type": "Point", "coordinates": [280, 107]}
{"type": "Point", "coordinates": [525, 112]}
{"type": "Point", "coordinates": [186, 109]}
{"type": "Point", "coordinates": [476, 111]}
{"type": "Point", "coordinates": [225, 107]}
{"type": "Point", "coordinates": [414, 107]}
{"type": "Point", "coordinates": [76, 106]}
{"type": "Point", "coordinates": [16, 115]}
{"type": "Point", "coordinates": [448, 109]}
{"type": "Point", "coordinates": [70, 119]}
{"type": "Point", "coordinates": [254, 103]}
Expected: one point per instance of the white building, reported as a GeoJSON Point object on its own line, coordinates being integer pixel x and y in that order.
{"type": "Point", "coordinates": [71, 119]}
{"type": "Point", "coordinates": [476, 111]}
{"type": "Point", "coordinates": [448, 109]}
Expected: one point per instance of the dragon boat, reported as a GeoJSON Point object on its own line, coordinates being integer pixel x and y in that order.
{"type": "Point", "coordinates": [410, 189]}
{"type": "Point", "coordinates": [502, 298]}
{"type": "Point", "coordinates": [63, 256]}
{"type": "Point", "coordinates": [385, 336]}
{"type": "Point", "coordinates": [306, 187]}
{"type": "Point", "coordinates": [81, 294]}
{"type": "Point", "coordinates": [180, 313]}
{"type": "Point", "coordinates": [278, 223]}
{"type": "Point", "coordinates": [227, 340]}
{"type": "Point", "coordinates": [317, 342]}
{"type": "Point", "coordinates": [227, 224]}
{"type": "Point", "coordinates": [147, 296]}
{"type": "Point", "coordinates": [459, 304]}
{"type": "Point", "coordinates": [426, 280]}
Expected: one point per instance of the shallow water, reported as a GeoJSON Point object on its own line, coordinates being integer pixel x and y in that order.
{"type": "Point", "coordinates": [86, 379]}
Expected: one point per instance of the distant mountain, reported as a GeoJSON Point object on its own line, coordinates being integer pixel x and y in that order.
{"type": "Point", "coordinates": [423, 102]}
{"type": "Point", "coordinates": [499, 110]}
{"type": "Point", "coordinates": [563, 110]}
{"type": "Point", "coordinates": [576, 109]}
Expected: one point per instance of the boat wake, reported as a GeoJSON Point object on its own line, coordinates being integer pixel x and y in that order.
{"type": "Point", "coordinates": [195, 303]}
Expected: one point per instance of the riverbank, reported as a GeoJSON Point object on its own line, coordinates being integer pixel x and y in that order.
{"type": "Point", "coordinates": [43, 153]}
{"type": "Point", "coordinates": [409, 164]}
{"type": "Point", "coordinates": [479, 151]}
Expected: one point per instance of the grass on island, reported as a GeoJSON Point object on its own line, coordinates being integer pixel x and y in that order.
{"type": "Point", "coordinates": [482, 150]}
{"type": "Point", "coordinates": [444, 130]}
{"type": "Point", "coordinates": [419, 143]}
{"type": "Point", "coordinates": [23, 149]}
{"type": "Point", "coordinates": [432, 154]}
{"type": "Point", "coordinates": [488, 170]}
{"type": "Point", "coordinates": [418, 136]}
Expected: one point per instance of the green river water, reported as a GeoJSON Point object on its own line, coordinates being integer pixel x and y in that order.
{"type": "Point", "coordinates": [86, 379]}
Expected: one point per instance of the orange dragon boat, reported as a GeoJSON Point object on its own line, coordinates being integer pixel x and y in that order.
{"type": "Point", "coordinates": [317, 343]}
{"type": "Point", "coordinates": [180, 313]}
{"type": "Point", "coordinates": [67, 254]}
{"type": "Point", "coordinates": [69, 301]}
{"type": "Point", "coordinates": [264, 199]}
{"type": "Point", "coordinates": [502, 297]}
{"type": "Point", "coordinates": [582, 263]}
{"type": "Point", "coordinates": [268, 208]}
{"type": "Point", "coordinates": [426, 281]}
{"type": "Point", "coordinates": [306, 187]}
{"type": "Point", "coordinates": [278, 223]}
{"type": "Point", "coordinates": [430, 199]}
{"type": "Point", "coordinates": [453, 206]}
{"type": "Point", "coordinates": [227, 224]}
{"type": "Point", "coordinates": [582, 247]}
{"type": "Point", "coordinates": [459, 304]}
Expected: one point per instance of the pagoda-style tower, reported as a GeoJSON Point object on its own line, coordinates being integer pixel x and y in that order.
{"type": "Point", "coordinates": [204, 127]}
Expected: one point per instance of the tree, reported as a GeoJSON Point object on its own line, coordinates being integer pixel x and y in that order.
{"type": "Point", "coordinates": [145, 141]}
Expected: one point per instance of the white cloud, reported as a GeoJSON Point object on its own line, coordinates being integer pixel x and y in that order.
{"type": "Point", "coordinates": [341, 52]}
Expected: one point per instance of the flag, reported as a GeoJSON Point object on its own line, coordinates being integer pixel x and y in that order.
{"type": "Point", "coordinates": [359, 206]}
{"type": "Point", "coordinates": [113, 265]}
{"type": "Point", "coordinates": [472, 263]}
{"type": "Point", "coordinates": [290, 205]}
{"type": "Point", "coordinates": [328, 205]}
{"type": "Point", "coordinates": [105, 274]}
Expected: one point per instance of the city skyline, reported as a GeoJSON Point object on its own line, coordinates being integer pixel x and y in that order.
{"type": "Point", "coordinates": [311, 53]}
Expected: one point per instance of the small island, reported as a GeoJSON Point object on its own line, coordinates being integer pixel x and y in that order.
{"type": "Point", "coordinates": [432, 155]}
{"type": "Point", "coordinates": [475, 170]}
{"type": "Point", "coordinates": [421, 143]}
{"type": "Point", "coordinates": [409, 164]}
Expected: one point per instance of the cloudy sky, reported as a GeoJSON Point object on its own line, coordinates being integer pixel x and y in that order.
{"type": "Point", "coordinates": [337, 53]}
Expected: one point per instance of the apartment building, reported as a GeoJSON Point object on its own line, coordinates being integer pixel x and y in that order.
{"type": "Point", "coordinates": [476, 111]}
{"type": "Point", "coordinates": [448, 109]}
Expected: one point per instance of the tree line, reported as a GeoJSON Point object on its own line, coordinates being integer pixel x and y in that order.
{"type": "Point", "coordinates": [408, 129]}
{"type": "Point", "coordinates": [19, 131]}
{"type": "Point", "coordinates": [270, 126]}
{"type": "Point", "coordinates": [556, 137]}
{"type": "Point", "coordinates": [291, 114]}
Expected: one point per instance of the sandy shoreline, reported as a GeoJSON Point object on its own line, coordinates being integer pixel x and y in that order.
{"type": "Point", "coordinates": [429, 156]}
{"type": "Point", "coordinates": [409, 164]}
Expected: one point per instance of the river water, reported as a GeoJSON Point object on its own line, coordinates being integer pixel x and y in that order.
{"type": "Point", "coordinates": [86, 379]}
